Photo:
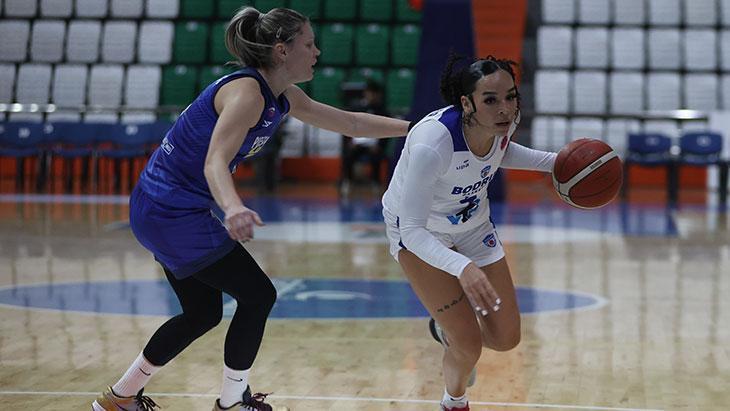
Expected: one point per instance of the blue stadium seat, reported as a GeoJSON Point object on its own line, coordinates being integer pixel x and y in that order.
{"type": "Point", "coordinates": [23, 140]}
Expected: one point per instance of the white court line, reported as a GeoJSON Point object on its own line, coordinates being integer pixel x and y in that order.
{"type": "Point", "coordinates": [352, 399]}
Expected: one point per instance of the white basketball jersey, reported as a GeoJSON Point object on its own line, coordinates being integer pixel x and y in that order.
{"type": "Point", "coordinates": [460, 200]}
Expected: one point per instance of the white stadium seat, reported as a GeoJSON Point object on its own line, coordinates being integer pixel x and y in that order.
{"type": "Point", "coordinates": [82, 44]}
{"type": "Point", "coordinates": [551, 91]}
{"type": "Point", "coordinates": [7, 80]}
{"type": "Point", "coordinates": [21, 8]}
{"type": "Point", "coordinates": [57, 8]}
{"type": "Point", "coordinates": [593, 12]}
{"type": "Point", "coordinates": [63, 115]}
{"type": "Point", "coordinates": [14, 44]}
{"type": "Point", "coordinates": [591, 44]}
{"type": "Point", "coordinates": [127, 8]}
{"type": "Point", "coordinates": [25, 116]}
{"type": "Point", "coordinates": [33, 84]}
{"type": "Point", "coordinates": [725, 50]}
{"type": "Point", "coordinates": [141, 87]}
{"type": "Point", "coordinates": [138, 117]}
{"type": "Point", "coordinates": [663, 91]}
{"type": "Point", "coordinates": [725, 14]}
{"type": "Point", "coordinates": [586, 127]}
{"type": "Point", "coordinates": [664, 49]}
{"type": "Point", "coordinates": [105, 86]}
{"type": "Point", "coordinates": [700, 12]}
{"type": "Point", "coordinates": [103, 118]}
{"type": "Point", "coordinates": [629, 12]}
{"type": "Point", "coordinates": [92, 8]}
{"type": "Point", "coordinates": [165, 9]}
{"type": "Point", "coordinates": [118, 41]}
{"type": "Point", "coordinates": [700, 49]}
{"type": "Point", "coordinates": [549, 133]}
{"type": "Point", "coordinates": [664, 12]}
{"type": "Point", "coordinates": [589, 92]}
{"type": "Point", "coordinates": [69, 85]}
{"type": "Point", "coordinates": [701, 92]}
{"type": "Point", "coordinates": [627, 48]}
{"type": "Point", "coordinates": [725, 92]}
{"type": "Point", "coordinates": [155, 42]}
{"type": "Point", "coordinates": [667, 127]}
{"type": "Point", "coordinates": [47, 39]}
{"type": "Point", "coordinates": [554, 46]}
{"type": "Point", "coordinates": [617, 132]}
{"type": "Point", "coordinates": [626, 92]}
{"type": "Point", "coordinates": [558, 11]}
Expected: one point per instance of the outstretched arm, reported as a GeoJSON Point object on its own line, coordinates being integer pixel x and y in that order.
{"type": "Point", "coordinates": [520, 157]}
{"type": "Point", "coordinates": [344, 122]}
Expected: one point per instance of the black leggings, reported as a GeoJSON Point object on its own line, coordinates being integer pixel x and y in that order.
{"type": "Point", "coordinates": [201, 298]}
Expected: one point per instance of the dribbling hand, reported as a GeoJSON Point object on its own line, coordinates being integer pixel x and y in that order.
{"type": "Point", "coordinates": [479, 290]}
{"type": "Point", "coordinates": [240, 221]}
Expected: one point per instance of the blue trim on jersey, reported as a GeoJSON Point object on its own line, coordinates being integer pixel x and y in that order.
{"type": "Point", "coordinates": [451, 118]}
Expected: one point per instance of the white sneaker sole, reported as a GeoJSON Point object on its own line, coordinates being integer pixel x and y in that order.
{"type": "Point", "coordinates": [96, 407]}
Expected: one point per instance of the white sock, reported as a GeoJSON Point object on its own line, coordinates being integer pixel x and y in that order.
{"type": "Point", "coordinates": [136, 377]}
{"type": "Point", "coordinates": [234, 384]}
{"type": "Point", "coordinates": [449, 401]}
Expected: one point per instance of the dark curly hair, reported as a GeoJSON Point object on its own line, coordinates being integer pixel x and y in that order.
{"type": "Point", "coordinates": [462, 82]}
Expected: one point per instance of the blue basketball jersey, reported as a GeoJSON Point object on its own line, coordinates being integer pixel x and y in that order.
{"type": "Point", "coordinates": [174, 173]}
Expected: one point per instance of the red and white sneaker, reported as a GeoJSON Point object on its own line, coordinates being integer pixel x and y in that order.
{"type": "Point", "coordinates": [464, 408]}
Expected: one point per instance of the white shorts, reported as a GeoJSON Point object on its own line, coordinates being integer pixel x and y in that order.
{"type": "Point", "coordinates": [481, 244]}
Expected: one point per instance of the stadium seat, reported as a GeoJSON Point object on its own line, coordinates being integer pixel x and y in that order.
{"type": "Point", "coordinates": [549, 133]}
{"type": "Point", "coordinates": [340, 10]}
{"type": "Point", "coordinates": [118, 41]}
{"type": "Point", "coordinates": [178, 85]}
{"type": "Point", "coordinates": [91, 8]}
{"type": "Point", "coordinates": [648, 149]}
{"type": "Point", "coordinates": [405, 44]}
{"type": "Point", "coordinates": [196, 9]}
{"type": "Point", "coordinates": [399, 87]}
{"type": "Point", "coordinates": [142, 86]}
{"type": "Point", "coordinates": [7, 80]}
{"type": "Point", "coordinates": [702, 149]}
{"type": "Point", "coordinates": [558, 11]}
{"type": "Point", "coordinates": [663, 91]}
{"type": "Point", "coordinates": [105, 85]}
{"type": "Point", "coordinates": [586, 127]}
{"type": "Point", "coordinates": [700, 12]}
{"type": "Point", "coordinates": [376, 10]}
{"type": "Point", "coordinates": [724, 15]}
{"type": "Point", "coordinates": [629, 12]}
{"type": "Point", "coordinates": [552, 91]}
{"type": "Point", "coordinates": [212, 73]}
{"type": "Point", "coordinates": [554, 46]}
{"type": "Point", "coordinates": [23, 140]}
{"type": "Point", "coordinates": [126, 9]}
{"type": "Point", "coordinates": [15, 35]}
{"type": "Point", "coordinates": [700, 91]}
{"type": "Point", "coordinates": [404, 13]}
{"type": "Point", "coordinates": [56, 8]}
{"type": "Point", "coordinates": [162, 9]}
{"type": "Point", "coordinates": [725, 92]}
{"type": "Point", "coordinates": [69, 85]}
{"type": "Point", "coordinates": [337, 42]}
{"type": "Point", "coordinates": [265, 5]}
{"type": "Point", "coordinates": [155, 42]}
{"type": "Point", "coordinates": [664, 13]}
{"type": "Point", "coordinates": [700, 50]}
{"type": "Point", "coordinates": [33, 84]}
{"type": "Point", "coordinates": [362, 74]}
{"type": "Point", "coordinates": [46, 44]}
{"type": "Point", "coordinates": [227, 8]}
{"type": "Point", "coordinates": [617, 131]}
{"type": "Point", "coordinates": [309, 8]}
{"type": "Point", "coordinates": [593, 12]}
{"type": "Point", "coordinates": [372, 45]}
{"type": "Point", "coordinates": [191, 42]}
{"type": "Point", "coordinates": [218, 52]}
{"type": "Point", "coordinates": [21, 8]}
{"type": "Point", "coordinates": [664, 49]}
{"type": "Point", "coordinates": [82, 44]}
{"type": "Point", "coordinates": [591, 45]}
{"type": "Point", "coordinates": [589, 92]}
{"type": "Point", "coordinates": [326, 85]}
{"type": "Point", "coordinates": [627, 48]}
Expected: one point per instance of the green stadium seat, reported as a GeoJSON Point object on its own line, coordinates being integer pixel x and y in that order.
{"type": "Point", "coordinates": [196, 9]}
{"type": "Point", "coordinates": [404, 46]}
{"type": "Point", "coordinates": [376, 10]}
{"type": "Point", "coordinates": [372, 44]}
{"type": "Point", "coordinates": [336, 43]}
{"type": "Point", "coordinates": [227, 8]}
{"type": "Point", "coordinates": [266, 5]}
{"type": "Point", "coordinates": [210, 74]}
{"type": "Point", "coordinates": [362, 74]}
{"type": "Point", "coordinates": [338, 10]}
{"type": "Point", "coordinates": [310, 8]}
{"type": "Point", "coordinates": [399, 86]}
{"type": "Point", "coordinates": [191, 42]}
{"type": "Point", "coordinates": [218, 52]}
{"type": "Point", "coordinates": [178, 85]}
{"type": "Point", "coordinates": [404, 13]}
{"type": "Point", "coordinates": [326, 85]}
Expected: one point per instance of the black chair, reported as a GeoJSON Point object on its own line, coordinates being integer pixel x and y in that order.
{"type": "Point", "coordinates": [702, 149]}
{"type": "Point", "coordinates": [649, 150]}
{"type": "Point", "coordinates": [21, 141]}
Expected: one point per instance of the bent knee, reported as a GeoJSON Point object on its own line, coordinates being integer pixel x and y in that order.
{"type": "Point", "coordinates": [506, 342]}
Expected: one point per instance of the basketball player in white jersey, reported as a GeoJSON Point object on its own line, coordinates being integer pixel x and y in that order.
{"type": "Point", "coordinates": [437, 216]}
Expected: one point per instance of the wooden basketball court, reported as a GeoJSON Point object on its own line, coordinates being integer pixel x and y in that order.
{"type": "Point", "coordinates": [653, 333]}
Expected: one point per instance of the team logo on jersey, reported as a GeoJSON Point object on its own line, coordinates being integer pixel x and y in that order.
{"type": "Point", "coordinates": [504, 142]}
{"type": "Point", "coordinates": [490, 240]}
{"type": "Point", "coordinates": [472, 204]}
{"type": "Point", "coordinates": [167, 147]}
{"type": "Point", "coordinates": [257, 145]}
{"type": "Point", "coordinates": [463, 165]}
{"type": "Point", "coordinates": [266, 123]}
{"type": "Point", "coordinates": [485, 171]}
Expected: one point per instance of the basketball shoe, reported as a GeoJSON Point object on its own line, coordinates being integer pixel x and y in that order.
{"type": "Point", "coordinates": [249, 402]}
{"type": "Point", "coordinates": [465, 408]}
{"type": "Point", "coordinates": [438, 334]}
{"type": "Point", "coordinates": [109, 401]}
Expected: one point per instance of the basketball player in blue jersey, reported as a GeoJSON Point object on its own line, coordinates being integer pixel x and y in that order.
{"type": "Point", "coordinates": [190, 175]}
{"type": "Point", "coordinates": [437, 218]}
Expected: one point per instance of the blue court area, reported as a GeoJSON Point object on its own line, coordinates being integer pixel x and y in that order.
{"type": "Point", "coordinates": [298, 298]}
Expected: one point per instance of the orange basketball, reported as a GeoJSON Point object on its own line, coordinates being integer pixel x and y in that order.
{"type": "Point", "coordinates": [587, 173]}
